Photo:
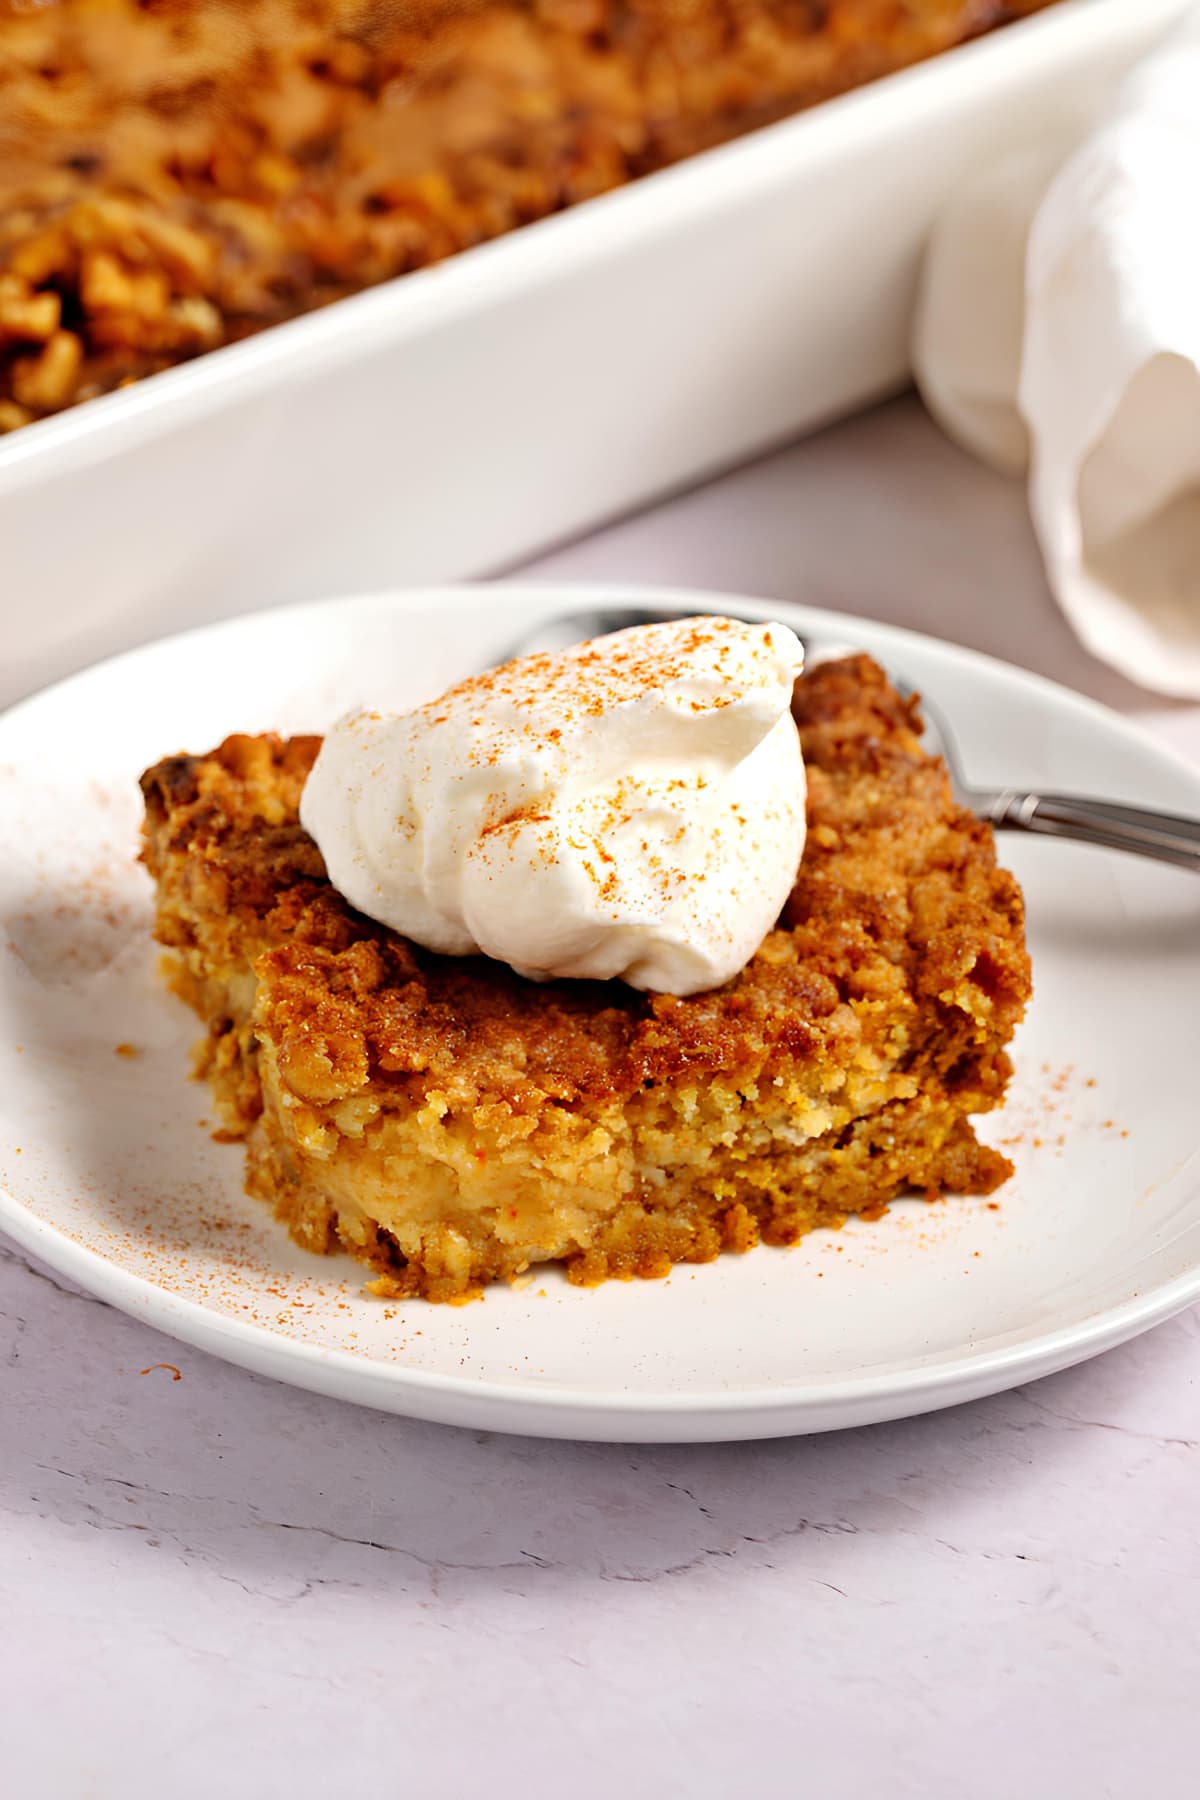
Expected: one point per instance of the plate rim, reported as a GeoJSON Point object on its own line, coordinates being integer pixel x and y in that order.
{"type": "Point", "coordinates": [947, 1383]}
{"type": "Point", "coordinates": [547, 1406]}
{"type": "Point", "coordinates": [623, 593]}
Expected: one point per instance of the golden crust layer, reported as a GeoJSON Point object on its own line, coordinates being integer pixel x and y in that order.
{"type": "Point", "coordinates": [177, 175]}
{"type": "Point", "coordinates": [451, 1123]}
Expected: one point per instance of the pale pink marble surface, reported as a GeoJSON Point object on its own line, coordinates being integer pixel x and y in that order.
{"type": "Point", "coordinates": [221, 1586]}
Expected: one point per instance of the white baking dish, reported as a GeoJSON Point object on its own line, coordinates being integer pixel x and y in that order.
{"type": "Point", "coordinates": [457, 419]}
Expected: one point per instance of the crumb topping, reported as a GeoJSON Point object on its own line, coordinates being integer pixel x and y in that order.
{"type": "Point", "coordinates": [899, 901]}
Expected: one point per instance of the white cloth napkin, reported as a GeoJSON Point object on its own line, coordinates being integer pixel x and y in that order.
{"type": "Point", "coordinates": [1059, 329]}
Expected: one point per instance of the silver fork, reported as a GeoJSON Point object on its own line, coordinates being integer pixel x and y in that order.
{"type": "Point", "coordinates": [1165, 837]}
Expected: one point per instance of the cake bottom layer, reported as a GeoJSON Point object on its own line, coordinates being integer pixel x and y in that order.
{"type": "Point", "coordinates": [439, 1206]}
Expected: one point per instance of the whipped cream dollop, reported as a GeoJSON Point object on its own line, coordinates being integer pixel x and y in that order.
{"type": "Point", "coordinates": [632, 807]}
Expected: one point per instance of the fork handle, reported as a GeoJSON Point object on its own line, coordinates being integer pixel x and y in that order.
{"type": "Point", "coordinates": [1166, 837]}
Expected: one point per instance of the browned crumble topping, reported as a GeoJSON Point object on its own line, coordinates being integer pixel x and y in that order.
{"type": "Point", "coordinates": [177, 174]}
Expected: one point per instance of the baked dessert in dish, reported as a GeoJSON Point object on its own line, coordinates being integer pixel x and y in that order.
{"type": "Point", "coordinates": [452, 1123]}
{"type": "Point", "coordinates": [176, 174]}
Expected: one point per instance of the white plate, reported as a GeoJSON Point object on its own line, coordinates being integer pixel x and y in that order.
{"type": "Point", "coordinates": [111, 1178]}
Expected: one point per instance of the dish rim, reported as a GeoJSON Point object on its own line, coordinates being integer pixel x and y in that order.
{"type": "Point", "coordinates": [484, 275]}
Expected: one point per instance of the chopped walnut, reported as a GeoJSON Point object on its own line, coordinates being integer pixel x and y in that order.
{"type": "Point", "coordinates": [25, 315]}
{"type": "Point", "coordinates": [46, 381]}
